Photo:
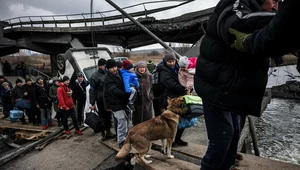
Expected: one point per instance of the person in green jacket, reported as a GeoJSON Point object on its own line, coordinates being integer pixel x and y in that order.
{"type": "Point", "coordinates": [53, 96]}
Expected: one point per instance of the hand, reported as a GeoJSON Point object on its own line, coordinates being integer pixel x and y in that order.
{"type": "Point", "coordinates": [25, 94]}
{"type": "Point", "coordinates": [109, 110]}
{"type": "Point", "coordinates": [239, 42]}
{"type": "Point", "coordinates": [37, 106]}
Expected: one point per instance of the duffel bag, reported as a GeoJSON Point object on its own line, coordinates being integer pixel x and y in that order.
{"type": "Point", "coordinates": [95, 122]}
{"type": "Point", "coordinates": [23, 103]}
{"type": "Point", "coordinates": [192, 106]}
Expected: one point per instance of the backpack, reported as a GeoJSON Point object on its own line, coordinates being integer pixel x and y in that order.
{"type": "Point", "coordinates": [192, 106]}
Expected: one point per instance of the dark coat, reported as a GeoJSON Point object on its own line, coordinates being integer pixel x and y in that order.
{"type": "Point", "coordinates": [226, 78]}
{"type": "Point", "coordinates": [143, 101]}
{"type": "Point", "coordinates": [16, 93]}
{"type": "Point", "coordinates": [171, 86]}
{"type": "Point", "coordinates": [115, 97]}
{"type": "Point", "coordinates": [40, 96]}
{"type": "Point", "coordinates": [79, 90]}
{"type": "Point", "coordinates": [53, 96]}
{"type": "Point", "coordinates": [97, 85]}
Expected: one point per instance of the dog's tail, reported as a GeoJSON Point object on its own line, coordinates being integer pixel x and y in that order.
{"type": "Point", "coordinates": [125, 150]}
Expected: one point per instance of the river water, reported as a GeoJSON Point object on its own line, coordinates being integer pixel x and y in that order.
{"type": "Point", "coordinates": [278, 131]}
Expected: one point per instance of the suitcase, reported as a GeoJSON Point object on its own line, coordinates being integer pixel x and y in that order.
{"type": "Point", "coordinates": [14, 115]}
{"type": "Point", "coordinates": [95, 122]}
{"type": "Point", "coordinates": [192, 106]}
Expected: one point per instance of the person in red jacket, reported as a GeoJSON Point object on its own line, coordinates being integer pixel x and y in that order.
{"type": "Point", "coordinates": [66, 105]}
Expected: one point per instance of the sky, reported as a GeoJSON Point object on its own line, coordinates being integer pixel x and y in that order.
{"type": "Point", "coordinates": [17, 8]}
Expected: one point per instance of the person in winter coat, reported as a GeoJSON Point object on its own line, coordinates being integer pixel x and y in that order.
{"type": "Point", "coordinates": [115, 99]}
{"type": "Point", "coordinates": [17, 93]}
{"type": "Point", "coordinates": [131, 83]}
{"type": "Point", "coordinates": [6, 99]}
{"type": "Point", "coordinates": [186, 72]}
{"type": "Point", "coordinates": [66, 105]}
{"type": "Point", "coordinates": [5, 96]}
{"type": "Point", "coordinates": [53, 96]}
{"type": "Point", "coordinates": [230, 83]}
{"type": "Point", "coordinates": [97, 97]}
{"type": "Point", "coordinates": [79, 95]}
{"type": "Point", "coordinates": [168, 77]}
{"type": "Point", "coordinates": [144, 100]}
{"type": "Point", "coordinates": [32, 112]}
{"type": "Point", "coordinates": [43, 102]}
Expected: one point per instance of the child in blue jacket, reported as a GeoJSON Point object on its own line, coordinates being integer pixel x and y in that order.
{"type": "Point", "coordinates": [131, 82]}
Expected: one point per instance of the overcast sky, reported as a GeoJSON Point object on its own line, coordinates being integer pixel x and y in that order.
{"type": "Point", "coordinates": [17, 8]}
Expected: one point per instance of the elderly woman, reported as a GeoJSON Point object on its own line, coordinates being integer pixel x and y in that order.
{"type": "Point", "coordinates": [143, 102]}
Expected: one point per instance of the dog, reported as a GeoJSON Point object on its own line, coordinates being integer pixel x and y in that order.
{"type": "Point", "coordinates": [162, 127]}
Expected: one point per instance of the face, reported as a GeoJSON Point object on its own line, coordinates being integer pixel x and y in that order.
{"type": "Point", "coordinates": [1, 80]}
{"type": "Point", "coordinates": [40, 81]}
{"type": "Point", "coordinates": [29, 83]}
{"type": "Point", "coordinates": [102, 67]}
{"type": "Point", "coordinates": [67, 82]}
{"type": "Point", "coordinates": [57, 83]}
{"type": "Point", "coordinates": [270, 5]}
{"type": "Point", "coordinates": [142, 69]}
{"type": "Point", "coordinates": [19, 84]}
{"type": "Point", "coordinates": [6, 86]}
{"type": "Point", "coordinates": [80, 78]}
{"type": "Point", "coordinates": [113, 70]}
{"type": "Point", "coordinates": [171, 63]}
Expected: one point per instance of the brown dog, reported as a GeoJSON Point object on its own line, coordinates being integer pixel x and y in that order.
{"type": "Point", "coordinates": [163, 127]}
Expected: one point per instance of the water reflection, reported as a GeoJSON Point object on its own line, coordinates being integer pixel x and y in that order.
{"type": "Point", "coordinates": [279, 131]}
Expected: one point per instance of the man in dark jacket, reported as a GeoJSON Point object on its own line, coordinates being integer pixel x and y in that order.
{"type": "Point", "coordinates": [5, 96]}
{"type": "Point", "coordinates": [231, 83]}
{"type": "Point", "coordinates": [96, 96]}
{"type": "Point", "coordinates": [18, 92]}
{"type": "Point", "coordinates": [79, 95]}
{"type": "Point", "coordinates": [115, 99]}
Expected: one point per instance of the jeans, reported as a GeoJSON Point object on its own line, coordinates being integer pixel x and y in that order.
{"type": "Point", "coordinates": [123, 125]}
{"type": "Point", "coordinates": [45, 116]}
{"type": "Point", "coordinates": [223, 130]}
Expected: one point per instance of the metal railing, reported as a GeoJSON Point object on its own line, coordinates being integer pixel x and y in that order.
{"type": "Point", "coordinates": [86, 19]}
{"type": "Point", "coordinates": [38, 73]}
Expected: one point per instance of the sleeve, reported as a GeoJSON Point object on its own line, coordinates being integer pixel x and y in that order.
{"type": "Point", "coordinates": [281, 35]}
{"type": "Point", "coordinates": [35, 95]}
{"type": "Point", "coordinates": [92, 91]}
{"type": "Point", "coordinates": [13, 97]}
{"type": "Point", "coordinates": [189, 81]}
{"type": "Point", "coordinates": [126, 79]}
{"type": "Point", "coordinates": [60, 97]}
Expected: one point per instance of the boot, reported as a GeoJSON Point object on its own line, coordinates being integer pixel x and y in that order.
{"type": "Point", "coordinates": [109, 134]}
{"type": "Point", "coordinates": [103, 136]}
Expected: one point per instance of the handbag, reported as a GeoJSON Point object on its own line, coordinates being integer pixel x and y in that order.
{"type": "Point", "coordinates": [94, 121]}
{"type": "Point", "coordinates": [186, 123]}
{"type": "Point", "coordinates": [192, 106]}
{"type": "Point", "coordinates": [23, 103]}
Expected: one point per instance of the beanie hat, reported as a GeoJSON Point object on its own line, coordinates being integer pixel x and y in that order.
{"type": "Point", "coordinates": [39, 78]}
{"type": "Point", "coordinates": [27, 79]}
{"type": "Point", "coordinates": [127, 65]}
{"type": "Point", "coordinates": [18, 81]}
{"type": "Point", "coordinates": [2, 77]}
{"type": "Point", "coordinates": [65, 78]}
{"type": "Point", "coordinates": [79, 74]}
{"type": "Point", "coordinates": [110, 63]}
{"type": "Point", "coordinates": [183, 62]}
{"type": "Point", "coordinates": [101, 62]}
{"type": "Point", "coordinates": [141, 63]}
{"type": "Point", "coordinates": [260, 2]}
{"type": "Point", "coordinates": [149, 62]}
{"type": "Point", "coordinates": [169, 56]}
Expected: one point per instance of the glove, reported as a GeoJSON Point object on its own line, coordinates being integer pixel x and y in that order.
{"type": "Point", "coordinates": [239, 42]}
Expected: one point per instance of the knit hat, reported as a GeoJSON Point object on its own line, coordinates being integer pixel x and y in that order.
{"type": "Point", "coordinates": [260, 2]}
{"type": "Point", "coordinates": [127, 65]}
{"type": "Point", "coordinates": [110, 63]}
{"type": "Point", "coordinates": [2, 77]}
{"type": "Point", "coordinates": [169, 56]}
{"type": "Point", "coordinates": [141, 63]}
{"type": "Point", "coordinates": [149, 62]}
{"type": "Point", "coordinates": [101, 62]}
{"type": "Point", "coordinates": [55, 79]}
{"type": "Point", "coordinates": [39, 78]}
{"type": "Point", "coordinates": [19, 81]}
{"type": "Point", "coordinates": [65, 78]}
{"type": "Point", "coordinates": [79, 74]}
{"type": "Point", "coordinates": [183, 62]}
{"type": "Point", "coordinates": [27, 79]}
